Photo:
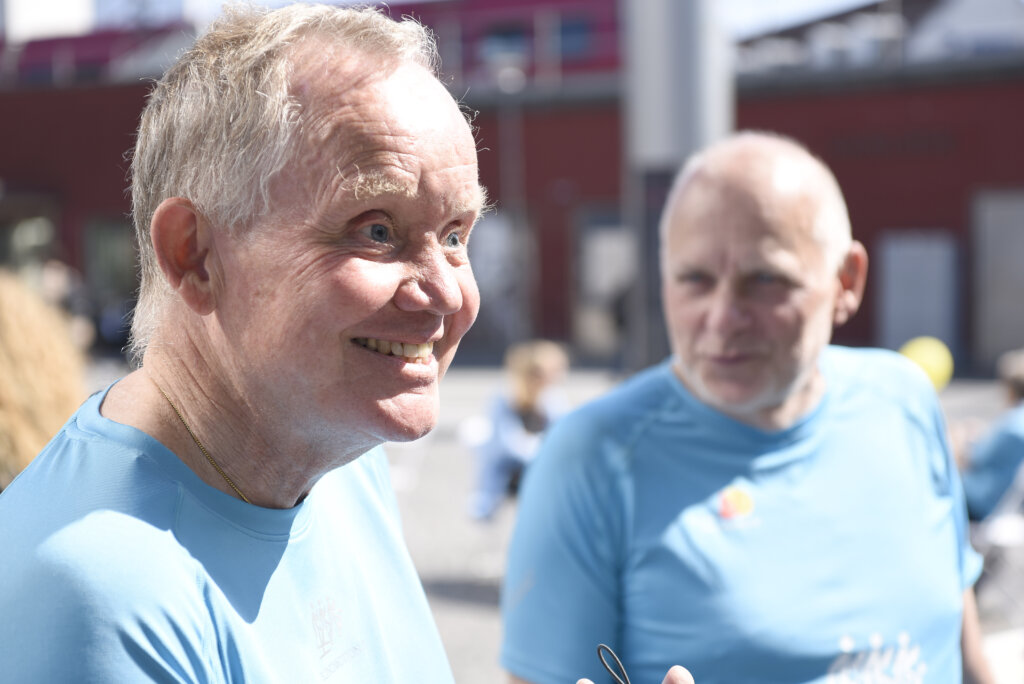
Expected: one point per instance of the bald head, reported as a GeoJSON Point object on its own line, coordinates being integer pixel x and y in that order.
{"type": "Point", "coordinates": [772, 176]}
{"type": "Point", "coordinates": [758, 267]}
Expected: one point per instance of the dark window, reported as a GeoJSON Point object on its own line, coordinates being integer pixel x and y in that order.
{"type": "Point", "coordinates": [504, 40]}
{"type": "Point", "coordinates": [576, 37]}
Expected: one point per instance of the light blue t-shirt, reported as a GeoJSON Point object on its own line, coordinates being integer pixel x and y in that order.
{"type": "Point", "coordinates": [832, 551]}
{"type": "Point", "coordinates": [993, 464]}
{"type": "Point", "coordinates": [120, 565]}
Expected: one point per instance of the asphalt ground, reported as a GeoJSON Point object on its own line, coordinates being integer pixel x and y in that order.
{"type": "Point", "coordinates": [461, 561]}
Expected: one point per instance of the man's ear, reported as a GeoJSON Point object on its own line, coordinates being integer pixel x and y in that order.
{"type": "Point", "coordinates": [183, 242]}
{"type": "Point", "coordinates": [853, 276]}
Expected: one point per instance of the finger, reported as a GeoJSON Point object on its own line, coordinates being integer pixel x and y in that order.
{"type": "Point", "coordinates": [678, 675]}
{"type": "Point", "coordinates": [584, 681]}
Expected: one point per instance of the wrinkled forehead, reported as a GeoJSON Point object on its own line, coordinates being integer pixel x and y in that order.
{"type": "Point", "coordinates": [383, 127]}
{"type": "Point", "coordinates": [397, 97]}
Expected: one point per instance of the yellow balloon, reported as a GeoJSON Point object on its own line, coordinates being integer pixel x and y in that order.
{"type": "Point", "coordinates": [934, 358]}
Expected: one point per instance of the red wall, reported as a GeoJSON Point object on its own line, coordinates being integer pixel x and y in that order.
{"type": "Point", "coordinates": [571, 160]}
{"type": "Point", "coordinates": [71, 144]}
{"type": "Point", "coordinates": [906, 156]}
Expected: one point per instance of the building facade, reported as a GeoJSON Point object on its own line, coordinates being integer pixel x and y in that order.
{"type": "Point", "coordinates": [927, 146]}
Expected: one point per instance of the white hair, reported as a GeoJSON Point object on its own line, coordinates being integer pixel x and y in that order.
{"type": "Point", "coordinates": [222, 122]}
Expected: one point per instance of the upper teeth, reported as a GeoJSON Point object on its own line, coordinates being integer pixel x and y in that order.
{"type": "Point", "coordinates": [406, 349]}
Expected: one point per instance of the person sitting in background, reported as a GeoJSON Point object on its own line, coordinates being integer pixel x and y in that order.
{"type": "Point", "coordinates": [762, 506]}
{"type": "Point", "coordinates": [516, 421]}
{"type": "Point", "coordinates": [991, 465]}
{"type": "Point", "coordinates": [42, 375]}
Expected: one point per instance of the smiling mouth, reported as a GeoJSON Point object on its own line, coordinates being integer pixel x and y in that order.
{"type": "Point", "coordinates": [412, 353]}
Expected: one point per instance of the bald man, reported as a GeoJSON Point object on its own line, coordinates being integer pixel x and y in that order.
{"type": "Point", "coordinates": [762, 506]}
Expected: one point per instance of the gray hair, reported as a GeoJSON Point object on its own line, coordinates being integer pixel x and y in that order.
{"type": "Point", "coordinates": [222, 122]}
{"type": "Point", "coordinates": [832, 222]}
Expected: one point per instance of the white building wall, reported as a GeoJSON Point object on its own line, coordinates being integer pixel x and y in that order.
{"type": "Point", "coordinates": [26, 20]}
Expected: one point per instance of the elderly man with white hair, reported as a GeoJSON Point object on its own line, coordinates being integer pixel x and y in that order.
{"type": "Point", "coordinates": [303, 188]}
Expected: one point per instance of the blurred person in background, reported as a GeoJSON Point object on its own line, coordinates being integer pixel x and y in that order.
{"type": "Point", "coordinates": [762, 506]}
{"type": "Point", "coordinates": [42, 374]}
{"type": "Point", "coordinates": [304, 189]}
{"type": "Point", "coordinates": [991, 464]}
{"type": "Point", "coordinates": [518, 417]}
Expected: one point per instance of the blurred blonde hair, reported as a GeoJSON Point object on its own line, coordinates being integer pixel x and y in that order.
{"type": "Point", "coordinates": [532, 366]}
{"type": "Point", "coordinates": [41, 375]}
{"type": "Point", "coordinates": [1010, 369]}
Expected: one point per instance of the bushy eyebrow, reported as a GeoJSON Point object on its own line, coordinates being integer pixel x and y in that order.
{"type": "Point", "coordinates": [366, 186]}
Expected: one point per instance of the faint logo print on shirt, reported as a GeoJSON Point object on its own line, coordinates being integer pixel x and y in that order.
{"type": "Point", "coordinates": [326, 620]}
{"type": "Point", "coordinates": [878, 664]}
{"type": "Point", "coordinates": [327, 628]}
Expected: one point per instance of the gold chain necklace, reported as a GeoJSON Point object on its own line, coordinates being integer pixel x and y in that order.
{"type": "Point", "coordinates": [216, 466]}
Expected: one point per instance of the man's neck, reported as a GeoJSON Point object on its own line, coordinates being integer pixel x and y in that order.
{"type": "Point", "coordinates": [799, 400]}
{"type": "Point", "coordinates": [266, 464]}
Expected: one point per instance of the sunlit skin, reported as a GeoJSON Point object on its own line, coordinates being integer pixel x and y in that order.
{"type": "Point", "coordinates": [367, 238]}
{"type": "Point", "coordinates": [749, 294]}
{"type": "Point", "coordinates": [374, 246]}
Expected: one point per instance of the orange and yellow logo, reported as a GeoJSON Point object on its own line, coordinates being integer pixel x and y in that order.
{"type": "Point", "coordinates": [735, 502]}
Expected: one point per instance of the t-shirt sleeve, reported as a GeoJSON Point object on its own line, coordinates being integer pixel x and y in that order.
{"type": "Point", "coordinates": [970, 560]}
{"type": "Point", "coordinates": [924, 406]}
{"type": "Point", "coordinates": [561, 593]}
{"type": "Point", "coordinates": [81, 615]}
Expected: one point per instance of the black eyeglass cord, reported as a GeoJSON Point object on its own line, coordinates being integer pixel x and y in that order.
{"type": "Point", "coordinates": [624, 678]}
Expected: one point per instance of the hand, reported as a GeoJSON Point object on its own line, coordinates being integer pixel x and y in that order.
{"type": "Point", "coordinates": [677, 675]}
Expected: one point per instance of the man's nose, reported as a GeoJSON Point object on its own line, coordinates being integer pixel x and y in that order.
{"type": "Point", "coordinates": [432, 284]}
{"type": "Point", "coordinates": [727, 310]}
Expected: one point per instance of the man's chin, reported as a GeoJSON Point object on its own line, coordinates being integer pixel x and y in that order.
{"type": "Point", "coordinates": [409, 433]}
{"type": "Point", "coordinates": [741, 402]}
{"type": "Point", "coordinates": [729, 396]}
{"type": "Point", "coordinates": [405, 421]}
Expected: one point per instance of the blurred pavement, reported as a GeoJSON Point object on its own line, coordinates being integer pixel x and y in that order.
{"type": "Point", "coordinates": [461, 562]}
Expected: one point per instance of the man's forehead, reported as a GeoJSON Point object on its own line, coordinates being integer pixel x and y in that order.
{"type": "Point", "coordinates": [318, 62]}
{"type": "Point", "coordinates": [331, 79]}
{"type": "Point", "coordinates": [783, 190]}
{"type": "Point", "coordinates": [388, 130]}
{"type": "Point", "coordinates": [721, 253]}
{"type": "Point", "coordinates": [762, 222]}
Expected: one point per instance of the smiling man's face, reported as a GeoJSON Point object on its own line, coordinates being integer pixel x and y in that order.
{"type": "Point", "coordinates": [351, 298]}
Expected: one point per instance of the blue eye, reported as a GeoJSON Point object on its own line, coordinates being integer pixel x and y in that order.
{"type": "Point", "coordinates": [378, 232]}
{"type": "Point", "coordinates": [453, 240]}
